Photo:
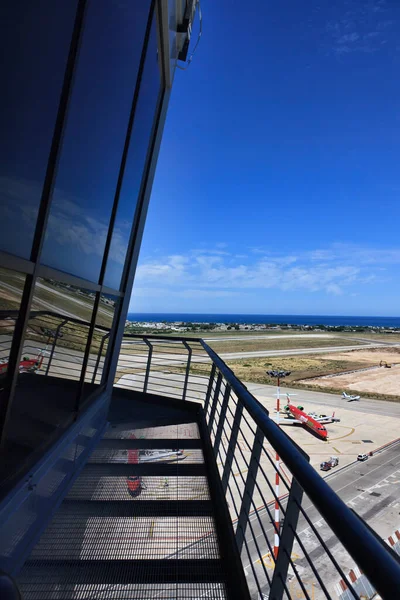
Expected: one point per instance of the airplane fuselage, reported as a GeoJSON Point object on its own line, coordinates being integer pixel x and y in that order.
{"type": "Point", "coordinates": [309, 422]}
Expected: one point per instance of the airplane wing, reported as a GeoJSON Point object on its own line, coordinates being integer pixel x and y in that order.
{"type": "Point", "coordinates": [285, 420]}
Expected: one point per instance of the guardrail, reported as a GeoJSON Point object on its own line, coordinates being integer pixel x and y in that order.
{"type": "Point", "coordinates": [319, 538]}
{"type": "Point", "coordinates": [55, 345]}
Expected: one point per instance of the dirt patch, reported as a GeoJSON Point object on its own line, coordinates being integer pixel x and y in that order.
{"type": "Point", "coordinates": [372, 356]}
{"type": "Point", "coordinates": [374, 381]}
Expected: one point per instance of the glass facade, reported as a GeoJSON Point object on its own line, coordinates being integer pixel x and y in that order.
{"type": "Point", "coordinates": [92, 68]}
{"type": "Point", "coordinates": [35, 40]}
{"type": "Point", "coordinates": [11, 287]}
{"type": "Point", "coordinates": [94, 137]}
{"type": "Point", "coordinates": [136, 161]}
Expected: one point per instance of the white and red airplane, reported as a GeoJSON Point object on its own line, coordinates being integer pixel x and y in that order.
{"type": "Point", "coordinates": [26, 365]}
{"type": "Point", "coordinates": [295, 415]}
{"type": "Point", "coordinates": [136, 456]}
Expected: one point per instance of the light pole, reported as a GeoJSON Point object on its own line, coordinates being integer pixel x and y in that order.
{"type": "Point", "coordinates": [278, 375]}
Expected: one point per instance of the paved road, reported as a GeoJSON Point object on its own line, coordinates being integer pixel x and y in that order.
{"type": "Point", "coordinates": [244, 337]}
{"type": "Point", "coordinates": [371, 488]}
{"type": "Point", "coordinates": [292, 352]}
{"type": "Point", "coordinates": [365, 405]}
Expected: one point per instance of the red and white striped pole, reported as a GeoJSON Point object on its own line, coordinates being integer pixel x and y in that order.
{"type": "Point", "coordinates": [277, 514]}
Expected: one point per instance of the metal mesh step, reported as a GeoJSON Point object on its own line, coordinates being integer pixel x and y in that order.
{"type": "Point", "coordinates": [151, 443]}
{"type": "Point", "coordinates": [54, 590]}
{"type": "Point", "coordinates": [151, 468]}
{"type": "Point", "coordinates": [46, 575]}
{"type": "Point", "coordinates": [168, 455]}
{"type": "Point", "coordinates": [74, 536]}
{"type": "Point", "coordinates": [144, 508]}
{"type": "Point", "coordinates": [137, 523]}
{"type": "Point", "coordinates": [97, 487]}
{"type": "Point", "coordinates": [181, 431]}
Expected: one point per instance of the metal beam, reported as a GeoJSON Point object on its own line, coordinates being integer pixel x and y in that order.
{"type": "Point", "coordinates": [286, 541]}
{"type": "Point", "coordinates": [214, 402]}
{"type": "Point", "coordinates": [188, 348]}
{"type": "Point", "coordinates": [249, 488]}
{"type": "Point", "coordinates": [222, 416]}
{"type": "Point", "coordinates": [232, 445]}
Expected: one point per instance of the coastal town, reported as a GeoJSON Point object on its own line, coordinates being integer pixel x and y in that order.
{"type": "Point", "coordinates": [167, 327]}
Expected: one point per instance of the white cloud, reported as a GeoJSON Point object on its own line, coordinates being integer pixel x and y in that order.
{"type": "Point", "coordinates": [361, 28]}
{"type": "Point", "coordinates": [331, 270]}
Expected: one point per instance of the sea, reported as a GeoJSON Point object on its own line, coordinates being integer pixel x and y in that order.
{"type": "Point", "coordinates": [386, 322]}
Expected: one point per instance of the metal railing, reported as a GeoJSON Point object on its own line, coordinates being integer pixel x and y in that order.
{"type": "Point", "coordinates": [320, 538]}
{"type": "Point", "coordinates": [55, 345]}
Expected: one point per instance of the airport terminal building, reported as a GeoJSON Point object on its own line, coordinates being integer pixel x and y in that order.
{"type": "Point", "coordinates": [130, 465]}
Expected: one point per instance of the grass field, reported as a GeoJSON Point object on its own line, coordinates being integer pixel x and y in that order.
{"type": "Point", "coordinates": [301, 366]}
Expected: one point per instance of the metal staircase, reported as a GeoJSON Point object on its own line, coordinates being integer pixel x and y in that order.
{"type": "Point", "coordinates": [140, 521]}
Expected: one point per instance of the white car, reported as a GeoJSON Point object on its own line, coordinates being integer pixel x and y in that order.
{"type": "Point", "coordinates": [362, 457]}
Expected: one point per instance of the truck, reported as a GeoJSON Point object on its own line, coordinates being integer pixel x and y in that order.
{"type": "Point", "coordinates": [327, 465]}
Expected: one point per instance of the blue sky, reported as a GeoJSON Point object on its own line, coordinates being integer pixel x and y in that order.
{"type": "Point", "coordinates": [278, 179]}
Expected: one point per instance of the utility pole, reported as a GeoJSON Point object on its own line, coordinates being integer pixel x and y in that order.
{"type": "Point", "coordinates": [278, 375]}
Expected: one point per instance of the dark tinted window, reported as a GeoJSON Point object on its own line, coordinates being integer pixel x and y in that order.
{"type": "Point", "coordinates": [34, 40]}
{"type": "Point", "coordinates": [101, 337]}
{"type": "Point", "coordinates": [11, 288]}
{"type": "Point", "coordinates": [50, 368]}
{"type": "Point", "coordinates": [140, 140]}
{"type": "Point", "coordinates": [94, 137]}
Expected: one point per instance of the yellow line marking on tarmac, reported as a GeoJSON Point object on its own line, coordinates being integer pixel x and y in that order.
{"type": "Point", "coordinates": [151, 530]}
{"type": "Point", "coordinates": [336, 450]}
{"type": "Point", "coordinates": [344, 436]}
{"type": "Point", "coordinates": [239, 472]}
{"type": "Point", "coordinates": [269, 561]}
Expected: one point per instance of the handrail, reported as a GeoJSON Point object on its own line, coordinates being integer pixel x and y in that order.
{"type": "Point", "coordinates": [41, 313]}
{"type": "Point", "coordinates": [368, 552]}
{"type": "Point", "coordinates": [162, 337]}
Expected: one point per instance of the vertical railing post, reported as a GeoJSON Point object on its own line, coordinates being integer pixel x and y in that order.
{"type": "Point", "coordinates": [103, 339]}
{"type": "Point", "coordinates": [150, 354]}
{"type": "Point", "coordinates": [214, 402]}
{"type": "Point", "coordinates": [232, 445]}
{"type": "Point", "coordinates": [188, 348]}
{"type": "Point", "coordinates": [222, 417]}
{"type": "Point", "coordinates": [209, 389]}
{"type": "Point", "coordinates": [57, 334]}
{"type": "Point", "coordinates": [249, 488]}
{"type": "Point", "coordinates": [286, 541]}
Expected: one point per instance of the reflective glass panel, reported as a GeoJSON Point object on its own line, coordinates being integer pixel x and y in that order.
{"type": "Point", "coordinates": [141, 136]}
{"type": "Point", "coordinates": [94, 137]}
{"type": "Point", "coordinates": [34, 43]}
{"type": "Point", "coordinates": [45, 397]}
{"type": "Point", "coordinates": [11, 288]}
{"type": "Point", "coordinates": [101, 336]}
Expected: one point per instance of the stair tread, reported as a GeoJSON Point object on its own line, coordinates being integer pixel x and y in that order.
{"type": "Point", "coordinates": [148, 508]}
{"type": "Point", "coordinates": [89, 537]}
{"type": "Point", "coordinates": [151, 468]}
{"type": "Point", "coordinates": [120, 572]}
{"type": "Point", "coordinates": [98, 487]}
{"type": "Point", "coordinates": [127, 444]}
{"type": "Point", "coordinates": [145, 455]}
